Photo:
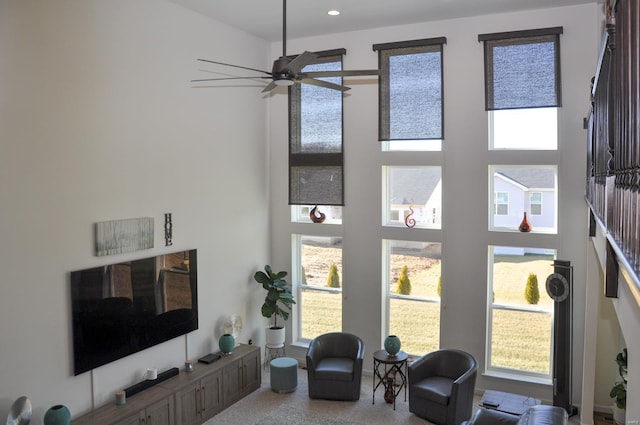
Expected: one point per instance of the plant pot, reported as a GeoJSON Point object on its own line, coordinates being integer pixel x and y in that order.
{"type": "Point", "coordinates": [226, 343]}
{"type": "Point", "coordinates": [275, 337]}
{"type": "Point", "coordinates": [619, 415]}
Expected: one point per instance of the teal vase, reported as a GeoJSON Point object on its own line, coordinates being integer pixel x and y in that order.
{"type": "Point", "coordinates": [226, 343]}
{"type": "Point", "coordinates": [57, 415]}
{"type": "Point", "coordinates": [392, 345]}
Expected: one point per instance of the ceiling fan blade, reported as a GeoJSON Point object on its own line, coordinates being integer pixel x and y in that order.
{"type": "Point", "coordinates": [355, 73]}
{"type": "Point", "coordinates": [272, 85]}
{"type": "Point", "coordinates": [235, 66]}
{"type": "Point", "coordinates": [324, 84]}
{"type": "Point", "coordinates": [302, 60]}
{"type": "Point", "coordinates": [229, 78]}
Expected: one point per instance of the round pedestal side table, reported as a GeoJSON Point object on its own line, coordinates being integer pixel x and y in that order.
{"type": "Point", "coordinates": [390, 371]}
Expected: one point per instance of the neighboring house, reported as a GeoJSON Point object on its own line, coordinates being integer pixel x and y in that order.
{"type": "Point", "coordinates": [418, 189]}
{"type": "Point", "coordinates": [520, 190]}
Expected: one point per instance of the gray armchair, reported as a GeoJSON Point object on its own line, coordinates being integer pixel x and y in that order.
{"type": "Point", "coordinates": [334, 366]}
{"type": "Point", "coordinates": [441, 386]}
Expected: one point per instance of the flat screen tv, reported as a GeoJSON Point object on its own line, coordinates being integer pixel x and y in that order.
{"type": "Point", "coordinates": [120, 309]}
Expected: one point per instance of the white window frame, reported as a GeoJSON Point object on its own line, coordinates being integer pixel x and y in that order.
{"type": "Point", "coordinates": [388, 295]}
{"type": "Point", "coordinates": [508, 372]}
{"type": "Point", "coordinates": [296, 267]}
{"type": "Point", "coordinates": [433, 219]}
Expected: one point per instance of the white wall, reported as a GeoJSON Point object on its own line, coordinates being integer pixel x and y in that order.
{"type": "Point", "coordinates": [464, 233]}
{"type": "Point", "coordinates": [618, 321]}
{"type": "Point", "coordinates": [98, 121]}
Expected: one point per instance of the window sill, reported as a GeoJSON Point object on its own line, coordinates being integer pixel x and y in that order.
{"type": "Point", "coordinates": [539, 230]}
{"type": "Point", "coordinates": [518, 377]}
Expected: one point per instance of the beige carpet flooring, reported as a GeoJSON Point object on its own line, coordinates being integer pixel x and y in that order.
{"type": "Point", "coordinates": [265, 407]}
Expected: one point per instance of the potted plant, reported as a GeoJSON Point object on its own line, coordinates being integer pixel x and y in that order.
{"type": "Point", "coordinates": [619, 391]}
{"type": "Point", "coordinates": [277, 303]}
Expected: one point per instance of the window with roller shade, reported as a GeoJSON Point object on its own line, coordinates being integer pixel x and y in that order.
{"type": "Point", "coordinates": [411, 95]}
{"type": "Point", "coordinates": [315, 137]}
{"type": "Point", "coordinates": [523, 88]}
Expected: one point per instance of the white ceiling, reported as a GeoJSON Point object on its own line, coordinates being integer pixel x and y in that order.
{"type": "Point", "coordinates": [263, 18]}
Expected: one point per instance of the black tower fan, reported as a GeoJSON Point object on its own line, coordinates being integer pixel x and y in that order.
{"type": "Point", "coordinates": [559, 287]}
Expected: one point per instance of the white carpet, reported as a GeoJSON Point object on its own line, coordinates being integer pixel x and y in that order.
{"type": "Point", "coordinates": [293, 416]}
{"type": "Point", "coordinates": [265, 407]}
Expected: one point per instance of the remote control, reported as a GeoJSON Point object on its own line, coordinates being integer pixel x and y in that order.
{"type": "Point", "coordinates": [209, 358]}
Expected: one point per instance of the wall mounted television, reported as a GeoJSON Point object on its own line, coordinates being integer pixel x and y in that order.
{"type": "Point", "coordinates": [120, 309]}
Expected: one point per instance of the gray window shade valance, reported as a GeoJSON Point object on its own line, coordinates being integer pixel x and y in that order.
{"type": "Point", "coordinates": [522, 69]}
{"type": "Point", "coordinates": [315, 137]}
{"type": "Point", "coordinates": [410, 90]}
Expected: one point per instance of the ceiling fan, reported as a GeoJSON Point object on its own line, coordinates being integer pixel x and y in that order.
{"type": "Point", "coordinates": [287, 70]}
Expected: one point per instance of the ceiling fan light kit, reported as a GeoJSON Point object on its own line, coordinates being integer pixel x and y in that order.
{"type": "Point", "coordinates": [287, 70]}
{"type": "Point", "coordinates": [283, 81]}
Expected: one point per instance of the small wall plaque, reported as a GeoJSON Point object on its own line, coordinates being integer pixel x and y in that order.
{"type": "Point", "coordinates": [120, 236]}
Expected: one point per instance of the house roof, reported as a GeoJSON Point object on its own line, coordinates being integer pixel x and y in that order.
{"type": "Point", "coordinates": [413, 185]}
{"type": "Point", "coordinates": [529, 177]}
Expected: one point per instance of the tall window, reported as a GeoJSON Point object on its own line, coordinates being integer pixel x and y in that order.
{"type": "Point", "coordinates": [411, 119]}
{"type": "Point", "coordinates": [411, 101]}
{"type": "Point", "coordinates": [317, 266]}
{"type": "Point", "coordinates": [412, 287]}
{"type": "Point", "coordinates": [315, 138]}
{"type": "Point", "coordinates": [522, 94]}
{"type": "Point", "coordinates": [316, 180]}
{"type": "Point", "coordinates": [520, 325]}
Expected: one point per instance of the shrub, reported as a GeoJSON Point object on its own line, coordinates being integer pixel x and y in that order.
{"type": "Point", "coordinates": [404, 284]}
{"type": "Point", "coordinates": [439, 289]}
{"type": "Point", "coordinates": [531, 291]}
{"type": "Point", "coordinates": [333, 280]}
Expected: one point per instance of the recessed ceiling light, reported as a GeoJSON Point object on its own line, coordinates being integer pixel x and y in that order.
{"type": "Point", "coordinates": [334, 12]}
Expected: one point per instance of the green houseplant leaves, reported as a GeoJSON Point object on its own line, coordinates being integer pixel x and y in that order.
{"type": "Point", "coordinates": [619, 390]}
{"type": "Point", "coordinates": [279, 296]}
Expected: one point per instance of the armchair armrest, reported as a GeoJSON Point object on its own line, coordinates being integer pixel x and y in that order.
{"type": "Point", "coordinates": [314, 355]}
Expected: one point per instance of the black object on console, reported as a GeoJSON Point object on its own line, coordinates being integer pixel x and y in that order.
{"type": "Point", "coordinates": [135, 389]}
{"type": "Point", "coordinates": [209, 358]}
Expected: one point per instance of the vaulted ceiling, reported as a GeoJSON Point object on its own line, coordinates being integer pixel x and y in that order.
{"type": "Point", "coordinates": [263, 18]}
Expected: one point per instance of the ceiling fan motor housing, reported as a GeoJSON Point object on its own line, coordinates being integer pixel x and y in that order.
{"type": "Point", "coordinates": [280, 73]}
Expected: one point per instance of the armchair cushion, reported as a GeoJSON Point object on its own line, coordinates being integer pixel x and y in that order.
{"type": "Point", "coordinates": [437, 388]}
{"type": "Point", "coordinates": [335, 368]}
